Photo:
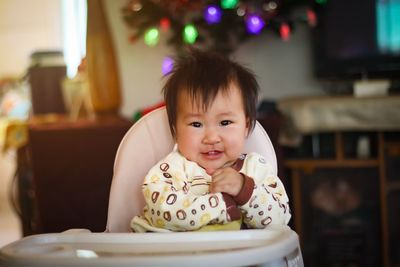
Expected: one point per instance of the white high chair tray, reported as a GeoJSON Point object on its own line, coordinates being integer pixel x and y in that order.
{"type": "Point", "coordinates": [225, 248]}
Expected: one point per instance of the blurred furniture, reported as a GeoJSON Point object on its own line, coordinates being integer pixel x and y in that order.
{"type": "Point", "coordinates": [341, 153]}
{"type": "Point", "coordinates": [71, 166]}
{"type": "Point", "coordinates": [46, 73]}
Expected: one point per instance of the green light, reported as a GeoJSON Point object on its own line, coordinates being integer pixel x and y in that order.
{"type": "Point", "coordinates": [228, 4]}
{"type": "Point", "coordinates": [190, 34]}
{"type": "Point", "coordinates": [151, 37]}
{"type": "Point", "coordinates": [321, 2]}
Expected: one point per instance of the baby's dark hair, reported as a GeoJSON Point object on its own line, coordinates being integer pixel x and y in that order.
{"type": "Point", "coordinates": [202, 75]}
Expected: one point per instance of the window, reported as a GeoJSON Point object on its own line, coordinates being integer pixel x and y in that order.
{"type": "Point", "coordinates": [74, 17]}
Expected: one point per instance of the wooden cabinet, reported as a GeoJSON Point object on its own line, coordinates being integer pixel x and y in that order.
{"type": "Point", "coordinates": [391, 191]}
{"type": "Point", "coordinates": [68, 173]}
{"type": "Point", "coordinates": [342, 156]}
{"type": "Point", "coordinates": [344, 198]}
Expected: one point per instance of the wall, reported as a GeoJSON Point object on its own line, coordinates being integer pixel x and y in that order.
{"type": "Point", "coordinates": [283, 68]}
{"type": "Point", "coordinates": [26, 26]}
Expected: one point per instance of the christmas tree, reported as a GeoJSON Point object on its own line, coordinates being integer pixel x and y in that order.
{"type": "Point", "coordinates": [212, 25]}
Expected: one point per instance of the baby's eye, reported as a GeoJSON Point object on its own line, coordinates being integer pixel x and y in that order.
{"type": "Point", "coordinates": [195, 124]}
{"type": "Point", "coordinates": [225, 122]}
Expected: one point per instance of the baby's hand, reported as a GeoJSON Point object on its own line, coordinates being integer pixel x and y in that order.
{"type": "Point", "coordinates": [227, 180]}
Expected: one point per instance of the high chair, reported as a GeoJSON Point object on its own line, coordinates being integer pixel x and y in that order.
{"type": "Point", "coordinates": [144, 145]}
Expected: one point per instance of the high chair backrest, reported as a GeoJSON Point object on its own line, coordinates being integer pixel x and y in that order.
{"type": "Point", "coordinates": [147, 142]}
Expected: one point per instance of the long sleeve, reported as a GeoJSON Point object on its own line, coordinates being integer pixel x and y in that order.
{"type": "Point", "coordinates": [177, 197]}
{"type": "Point", "coordinates": [263, 199]}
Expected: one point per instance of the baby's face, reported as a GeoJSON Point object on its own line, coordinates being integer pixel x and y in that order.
{"type": "Point", "coordinates": [213, 138]}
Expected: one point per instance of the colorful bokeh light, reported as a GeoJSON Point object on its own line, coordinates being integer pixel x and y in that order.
{"type": "Point", "coordinates": [151, 37]}
{"type": "Point", "coordinates": [167, 65]}
{"type": "Point", "coordinates": [229, 4]}
{"type": "Point", "coordinates": [254, 24]}
{"type": "Point", "coordinates": [212, 14]}
{"type": "Point", "coordinates": [284, 31]}
{"type": "Point", "coordinates": [190, 34]}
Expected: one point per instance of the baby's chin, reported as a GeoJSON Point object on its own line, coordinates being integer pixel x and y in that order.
{"type": "Point", "coordinates": [210, 169]}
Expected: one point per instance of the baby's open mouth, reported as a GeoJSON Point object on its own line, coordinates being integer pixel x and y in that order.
{"type": "Point", "coordinates": [212, 152]}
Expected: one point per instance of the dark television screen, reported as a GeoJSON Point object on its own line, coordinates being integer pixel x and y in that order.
{"type": "Point", "coordinates": [357, 39]}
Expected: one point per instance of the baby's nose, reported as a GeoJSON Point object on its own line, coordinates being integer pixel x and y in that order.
{"type": "Point", "coordinates": [211, 136]}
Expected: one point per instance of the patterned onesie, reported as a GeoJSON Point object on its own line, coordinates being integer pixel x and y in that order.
{"type": "Point", "coordinates": [177, 197]}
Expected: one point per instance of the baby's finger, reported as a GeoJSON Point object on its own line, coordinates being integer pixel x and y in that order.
{"type": "Point", "coordinates": [217, 172]}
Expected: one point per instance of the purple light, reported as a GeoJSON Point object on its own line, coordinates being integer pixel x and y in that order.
{"type": "Point", "coordinates": [167, 65]}
{"type": "Point", "coordinates": [212, 14]}
{"type": "Point", "coordinates": [254, 24]}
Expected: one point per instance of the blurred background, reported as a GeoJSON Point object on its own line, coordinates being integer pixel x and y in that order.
{"type": "Point", "coordinates": [75, 75]}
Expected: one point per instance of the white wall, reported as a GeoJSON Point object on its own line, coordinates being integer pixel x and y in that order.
{"type": "Point", "coordinates": [283, 68]}
{"type": "Point", "coordinates": [26, 26]}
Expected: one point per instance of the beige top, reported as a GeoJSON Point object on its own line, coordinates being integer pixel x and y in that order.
{"type": "Point", "coordinates": [177, 197]}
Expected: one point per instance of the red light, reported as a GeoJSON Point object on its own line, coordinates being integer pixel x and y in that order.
{"type": "Point", "coordinates": [311, 17]}
{"type": "Point", "coordinates": [165, 24]}
{"type": "Point", "coordinates": [285, 31]}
